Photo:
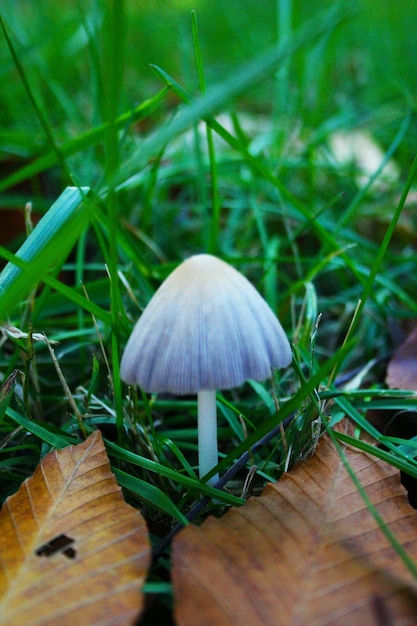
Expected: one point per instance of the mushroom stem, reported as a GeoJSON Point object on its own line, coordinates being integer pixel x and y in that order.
{"type": "Point", "coordinates": [207, 433]}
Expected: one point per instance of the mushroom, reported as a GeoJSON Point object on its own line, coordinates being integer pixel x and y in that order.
{"type": "Point", "coordinates": [206, 328]}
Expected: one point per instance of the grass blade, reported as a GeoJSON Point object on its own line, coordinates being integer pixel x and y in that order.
{"type": "Point", "coordinates": [215, 212]}
{"type": "Point", "coordinates": [151, 494]}
{"type": "Point", "coordinates": [218, 96]}
{"type": "Point", "coordinates": [81, 143]}
{"type": "Point", "coordinates": [46, 247]}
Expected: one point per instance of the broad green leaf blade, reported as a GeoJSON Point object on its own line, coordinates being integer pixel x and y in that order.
{"type": "Point", "coordinates": [46, 247]}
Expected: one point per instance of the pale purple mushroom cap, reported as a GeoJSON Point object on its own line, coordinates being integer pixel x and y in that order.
{"type": "Point", "coordinates": [206, 327]}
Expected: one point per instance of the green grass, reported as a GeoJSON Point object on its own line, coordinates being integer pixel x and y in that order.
{"type": "Point", "coordinates": [206, 131]}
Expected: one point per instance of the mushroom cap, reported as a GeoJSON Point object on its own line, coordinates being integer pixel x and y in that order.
{"type": "Point", "coordinates": [206, 327]}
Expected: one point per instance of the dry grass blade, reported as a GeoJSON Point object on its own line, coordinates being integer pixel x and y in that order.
{"type": "Point", "coordinates": [71, 550]}
{"type": "Point", "coordinates": [306, 552]}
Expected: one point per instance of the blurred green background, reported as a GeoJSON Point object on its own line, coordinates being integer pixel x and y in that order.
{"type": "Point", "coordinates": [359, 73]}
{"type": "Point", "coordinates": [367, 62]}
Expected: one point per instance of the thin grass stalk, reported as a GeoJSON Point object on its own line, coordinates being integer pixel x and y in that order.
{"type": "Point", "coordinates": [37, 107]}
{"type": "Point", "coordinates": [400, 550]}
{"type": "Point", "coordinates": [284, 34]}
{"type": "Point", "coordinates": [114, 61]}
{"type": "Point", "coordinates": [348, 214]}
{"type": "Point", "coordinates": [380, 255]}
{"type": "Point", "coordinates": [213, 243]}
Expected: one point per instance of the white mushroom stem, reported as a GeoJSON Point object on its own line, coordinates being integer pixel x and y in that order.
{"type": "Point", "coordinates": [207, 433]}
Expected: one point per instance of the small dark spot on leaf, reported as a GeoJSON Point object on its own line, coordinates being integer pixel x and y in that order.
{"type": "Point", "coordinates": [60, 543]}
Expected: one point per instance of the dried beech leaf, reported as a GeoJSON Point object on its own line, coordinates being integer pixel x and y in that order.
{"type": "Point", "coordinates": [71, 550]}
{"type": "Point", "coordinates": [307, 552]}
{"type": "Point", "coordinates": [402, 368]}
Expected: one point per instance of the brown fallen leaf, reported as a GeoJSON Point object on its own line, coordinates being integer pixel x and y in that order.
{"type": "Point", "coordinates": [71, 550]}
{"type": "Point", "coordinates": [307, 552]}
{"type": "Point", "coordinates": [402, 368]}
